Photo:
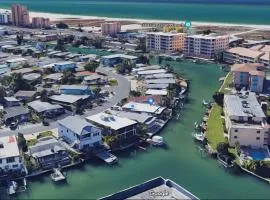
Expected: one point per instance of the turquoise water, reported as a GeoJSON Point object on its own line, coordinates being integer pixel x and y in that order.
{"type": "Point", "coordinates": [247, 12]}
{"type": "Point", "coordinates": [181, 162]}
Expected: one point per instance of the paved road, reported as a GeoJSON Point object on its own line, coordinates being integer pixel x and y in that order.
{"type": "Point", "coordinates": [121, 91]}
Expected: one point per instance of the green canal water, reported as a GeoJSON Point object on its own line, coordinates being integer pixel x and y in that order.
{"type": "Point", "coordinates": [180, 162]}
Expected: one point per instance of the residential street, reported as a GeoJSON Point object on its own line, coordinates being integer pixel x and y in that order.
{"type": "Point", "coordinates": [121, 91]}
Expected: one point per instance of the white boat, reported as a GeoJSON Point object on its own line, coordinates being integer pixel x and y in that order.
{"type": "Point", "coordinates": [157, 140]}
{"type": "Point", "coordinates": [57, 175]}
{"type": "Point", "coordinates": [12, 187]}
{"type": "Point", "coordinates": [199, 136]}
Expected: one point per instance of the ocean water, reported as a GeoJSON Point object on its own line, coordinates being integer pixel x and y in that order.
{"type": "Point", "coordinates": [231, 11]}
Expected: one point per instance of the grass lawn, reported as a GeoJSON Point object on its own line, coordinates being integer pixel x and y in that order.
{"type": "Point", "coordinates": [215, 133]}
{"type": "Point", "coordinates": [227, 83]}
{"type": "Point", "coordinates": [45, 134]}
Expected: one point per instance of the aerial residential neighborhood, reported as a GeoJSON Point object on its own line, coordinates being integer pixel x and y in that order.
{"type": "Point", "coordinates": [86, 94]}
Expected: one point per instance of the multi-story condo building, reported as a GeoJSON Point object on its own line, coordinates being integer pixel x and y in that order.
{"type": "Point", "coordinates": [20, 15]}
{"type": "Point", "coordinates": [40, 22]}
{"type": "Point", "coordinates": [110, 28]}
{"type": "Point", "coordinates": [165, 42]}
{"type": "Point", "coordinates": [249, 76]}
{"type": "Point", "coordinates": [205, 46]}
{"type": "Point", "coordinates": [10, 158]}
{"type": "Point", "coordinates": [242, 55]}
{"type": "Point", "coordinates": [5, 17]}
{"type": "Point", "coordinates": [245, 120]}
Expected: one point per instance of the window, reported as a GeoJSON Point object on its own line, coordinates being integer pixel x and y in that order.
{"type": "Point", "coordinates": [10, 160]}
{"type": "Point", "coordinates": [0, 161]}
{"type": "Point", "coordinates": [258, 131]}
{"type": "Point", "coordinates": [257, 138]}
{"type": "Point", "coordinates": [235, 130]}
{"type": "Point", "coordinates": [15, 166]}
{"type": "Point", "coordinates": [235, 137]}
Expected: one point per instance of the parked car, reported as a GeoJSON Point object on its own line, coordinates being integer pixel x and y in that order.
{"type": "Point", "coordinates": [13, 125]}
{"type": "Point", "coordinates": [45, 123]}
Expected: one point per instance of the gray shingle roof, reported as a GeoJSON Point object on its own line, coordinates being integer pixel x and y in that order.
{"type": "Point", "coordinates": [75, 124]}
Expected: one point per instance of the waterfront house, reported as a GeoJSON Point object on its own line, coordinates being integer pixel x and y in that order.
{"type": "Point", "coordinates": [245, 120]}
{"type": "Point", "coordinates": [16, 113]}
{"type": "Point", "coordinates": [10, 158]}
{"type": "Point", "coordinates": [11, 101]}
{"type": "Point", "coordinates": [79, 133]}
{"type": "Point", "coordinates": [157, 188]}
{"type": "Point", "coordinates": [24, 95]}
{"type": "Point", "coordinates": [75, 90]}
{"type": "Point", "coordinates": [64, 66]}
{"type": "Point", "coordinates": [143, 108]}
{"type": "Point", "coordinates": [46, 109]}
{"type": "Point", "coordinates": [249, 76]}
{"type": "Point", "coordinates": [157, 100]}
{"type": "Point", "coordinates": [48, 153]}
{"type": "Point", "coordinates": [123, 127]}
{"type": "Point", "coordinates": [115, 59]}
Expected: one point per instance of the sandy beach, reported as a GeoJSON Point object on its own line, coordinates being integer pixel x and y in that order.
{"type": "Point", "coordinates": [58, 16]}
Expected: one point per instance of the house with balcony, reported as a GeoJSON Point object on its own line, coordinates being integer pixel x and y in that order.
{"type": "Point", "coordinates": [48, 153]}
{"type": "Point", "coordinates": [11, 161]}
{"type": "Point", "coordinates": [248, 75]}
{"type": "Point", "coordinates": [123, 127]}
{"type": "Point", "coordinates": [245, 120]}
{"type": "Point", "coordinates": [79, 133]}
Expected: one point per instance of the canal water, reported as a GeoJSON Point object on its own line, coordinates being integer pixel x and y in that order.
{"type": "Point", "coordinates": [180, 162]}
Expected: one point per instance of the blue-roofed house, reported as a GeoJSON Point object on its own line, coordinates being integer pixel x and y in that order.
{"type": "Point", "coordinates": [75, 89]}
{"type": "Point", "coordinates": [64, 66]}
{"type": "Point", "coordinates": [79, 133]}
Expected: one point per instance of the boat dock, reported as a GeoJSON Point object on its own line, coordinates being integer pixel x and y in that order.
{"type": "Point", "coordinates": [57, 175]}
{"type": "Point", "coordinates": [106, 157]}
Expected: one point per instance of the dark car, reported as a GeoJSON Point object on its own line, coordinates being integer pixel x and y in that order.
{"type": "Point", "coordinates": [45, 123]}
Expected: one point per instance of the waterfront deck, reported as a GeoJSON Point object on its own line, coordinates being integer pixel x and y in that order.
{"type": "Point", "coordinates": [106, 157]}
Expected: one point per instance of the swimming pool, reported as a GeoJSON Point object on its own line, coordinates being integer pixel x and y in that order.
{"type": "Point", "coordinates": [257, 154]}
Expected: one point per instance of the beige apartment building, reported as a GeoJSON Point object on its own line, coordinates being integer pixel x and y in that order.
{"type": "Point", "coordinates": [111, 28]}
{"type": "Point", "coordinates": [165, 42]}
{"type": "Point", "coordinates": [20, 15]}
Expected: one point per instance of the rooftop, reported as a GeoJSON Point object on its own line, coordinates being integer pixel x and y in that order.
{"type": "Point", "coordinates": [15, 111]}
{"type": "Point", "coordinates": [75, 123]}
{"type": "Point", "coordinates": [65, 63]}
{"type": "Point", "coordinates": [160, 81]}
{"type": "Point", "coordinates": [11, 99]}
{"type": "Point", "coordinates": [144, 99]}
{"type": "Point", "coordinates": [112, 121]}
{"type": "Point", "coordinates": [143, 107]}
{"type": "Point", "coordinates": [24, 93]}
{"type": "Point", "coordinates": [10, 147]}
{"type": "Point", "coordinates": [74, 87]}
{"type": "Point", "coordinates": [55, 76]}
{"type": "Point", "coordinates": [165, 33]}
{"type": "Point", "coordinates": [22, 71]}
{"type": "Point", "coordinates": [83, 73]}
{"type": "Point", "coordinates": [40, 106]}
{"type": "Point", "coordinates": [153, 76]}
{"type": "Point", "coordinates": [210, 36]}
{"type": "Point", "coordinates": [155, 71]}
{"type": "Point", "coordinates": [14, 60]}
{"type": "Point", "coordinates": [243, 105]}
{"type": "Point", "coordinates": [246, 67]}
{"type": "Point", "coordinates": [119, 56]}
{"type": "Point", "coordinates": [156, 92]}
{"type": "Point", "coordinates": [153, 189]}
{"type": "Point", "coordinates": [68, 98]}
{"type": "Point", "coordinates": [245, 52]}
{"type": "Point", "coordinates": [31, 76]}
{"type": "Point", "coordinates": [139, 117]}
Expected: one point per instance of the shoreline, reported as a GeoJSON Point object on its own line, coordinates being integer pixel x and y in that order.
{"type": "Point", "coordinates": [60, 16]}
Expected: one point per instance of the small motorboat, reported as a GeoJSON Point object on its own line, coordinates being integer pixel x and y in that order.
{"type": "Point", "coordinates": [57, 175]}
{"type": "Point", "coordinates": [156, 141]}
{"type": "Point", "coordinates": [199, 136]}
{"type": "Point", "coordinates": [12, 187]}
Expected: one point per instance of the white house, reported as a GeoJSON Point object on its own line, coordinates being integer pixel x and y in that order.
{"type": "Point", "coordinates": [79, 133]}
{"type": "Point", "coordinates": [10, 158]}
